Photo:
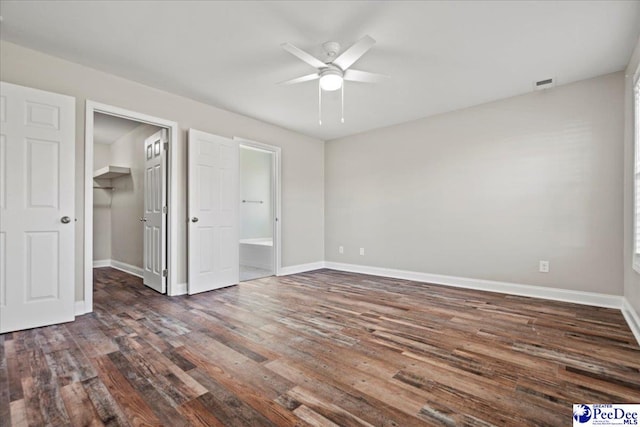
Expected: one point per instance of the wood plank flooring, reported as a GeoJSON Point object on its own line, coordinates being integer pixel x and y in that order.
{"type": "Point", "coordinates": [322, 348]}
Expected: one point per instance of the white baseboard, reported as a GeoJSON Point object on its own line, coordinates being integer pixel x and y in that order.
{"type": "Point", "coordinates": [127, 268]}
{"type": "Point", "coordinates": [578, 297]}
{"type": "Point", "coordinates": [99, 263]}
{"type": "Point", "coordinates": [301, 268]}
{"type": "Point", "coordinates": [632, 318]}
{"type": "Point", "coordinates": [119, 265]}
{"type": "Point", "coordinates": [179, 289]}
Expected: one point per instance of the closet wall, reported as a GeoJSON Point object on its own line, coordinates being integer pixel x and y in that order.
{"type": "Point", "coordinates": [101, 207]}
{"type": "Point", "coordinates": [122, 229]}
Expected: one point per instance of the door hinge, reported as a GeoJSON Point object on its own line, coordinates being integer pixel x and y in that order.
{"type": "Point", "coordinates": [165, 272]}
{"type": "Point", "coordinates": [165, 146]}
{"type": "Point", "coordinates": [164, 209]}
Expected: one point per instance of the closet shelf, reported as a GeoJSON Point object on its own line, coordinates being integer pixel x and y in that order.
{"type": "Point", "coordinates": [110, 172]}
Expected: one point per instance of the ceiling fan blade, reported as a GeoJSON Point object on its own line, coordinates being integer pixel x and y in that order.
{"type": "Point", "coordinates": [306, 57]}
{"type": "Point", "coordinates": [306, 78]}
{"type": "Point", "coordinates": [351, 55]}
{"type": "Point", "coordinates": [364, 76]}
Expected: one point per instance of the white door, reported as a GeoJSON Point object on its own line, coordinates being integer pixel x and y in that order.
{"type": "Point", "coordinates": [37, 149]}
{"type": "Point", "coordinates": [213, 212]}
{"type": "Point", "coordinates": [155, 212]}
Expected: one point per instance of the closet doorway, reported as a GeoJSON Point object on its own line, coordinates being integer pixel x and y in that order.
{"type": "Point", "coordinates": [259, 225]}
{"type": "Point", "coordinates": [129, 197]}
{"type": "Point", "coordinates": [127, 171]}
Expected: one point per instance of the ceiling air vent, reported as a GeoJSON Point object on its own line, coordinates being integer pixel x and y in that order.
{"type": "Point", "coordinates": [544, 84]}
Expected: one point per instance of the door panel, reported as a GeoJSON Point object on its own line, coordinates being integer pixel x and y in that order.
{"type": "Point", "coordinates": [213, 212]}
{"type": "Point", "coordinates": [207, 236]}
{"type": "Point", "coordinates": [42, 115]}
{"type": "Point", "coordinates": [228, 238]}
{"type": "Point", "coordinates": [155, 217]}
{"type": "Point", "coordinates": [42, 265]}
{"type": "Point", "coordinates": [37, 149]}
{"type": "Point", "coordinates": [42, 168]}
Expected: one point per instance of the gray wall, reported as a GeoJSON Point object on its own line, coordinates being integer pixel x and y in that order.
{"type": "Point", "coordinates": [101, 206]}
{"type": "Point", "coordinates": [631, 277]}
{"type": "Point", "coordinates": [302, 156]}
{"type": "Point", "coordinates": [255, 185]}
{"type": "Point", "coordinates": [486, 192]}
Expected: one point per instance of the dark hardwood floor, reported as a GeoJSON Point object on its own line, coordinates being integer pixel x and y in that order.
{"type": "Point", "coordinates": [322, 348]}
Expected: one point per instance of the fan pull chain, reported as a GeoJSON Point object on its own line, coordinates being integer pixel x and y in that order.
{"type": "Point", "coordinates": [342, 118]}
{"type": "Point", "coordinates": [319, 103]}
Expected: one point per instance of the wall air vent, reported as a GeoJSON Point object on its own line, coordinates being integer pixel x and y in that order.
{"type": "Point", "coordinates": [544, 84]}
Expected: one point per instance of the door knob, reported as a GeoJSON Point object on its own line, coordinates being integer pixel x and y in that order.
{"type": "Point", "coordinates": [194, 219]}
{"type": "Point", "coordinates": [65, 220]}
{"type": "Point", "coordinates": [143, 219]}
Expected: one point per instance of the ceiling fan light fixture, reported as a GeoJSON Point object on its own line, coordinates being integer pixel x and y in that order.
{"type": "Point", "coordinates": [331, 80]}
{"type": "Point", "coordinates": [335, 69]}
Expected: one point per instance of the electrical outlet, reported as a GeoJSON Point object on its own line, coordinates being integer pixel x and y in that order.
{"type": "Point", "coordinates": [544, 266]}
{"type": "Point", "coordinates": [361, 251]}
{"type": "Point", "coordinates": [341, 249]}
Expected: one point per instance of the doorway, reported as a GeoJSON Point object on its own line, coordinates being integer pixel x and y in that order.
{"type": "Point", "coordinates": [128, 195]}
{"type": "Point", "coordinates": [129, 190]}
{"type": "Point", "coordinates": [259, 225]}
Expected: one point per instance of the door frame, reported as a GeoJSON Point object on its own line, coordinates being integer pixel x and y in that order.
{"type": "Point", "coordinates": [172, 196]}
{"type": "Point", "coordinates": [276, 173]}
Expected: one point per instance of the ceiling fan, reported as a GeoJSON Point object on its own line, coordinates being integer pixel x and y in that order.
{"type": "Point", "coordinates": [334, 70]}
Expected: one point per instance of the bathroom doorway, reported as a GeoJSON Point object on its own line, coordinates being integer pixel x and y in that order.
{"type": "Point", "coordinates": [259, 210]}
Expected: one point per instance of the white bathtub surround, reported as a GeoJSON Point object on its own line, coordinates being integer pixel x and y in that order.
{"type": "Point", "coordinates": [260, 241]}
{"type": "Point", "coordinates": [257, 253]}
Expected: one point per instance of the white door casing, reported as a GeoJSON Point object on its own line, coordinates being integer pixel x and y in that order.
{"type": "Point", "coordinates": [173, 197]}
{"type": "Point", "coordinates": [37, 217]}
{"type": "Point", "coordinates": [154, 219]}
{"type": "Point", "coordinates": [213, 258]}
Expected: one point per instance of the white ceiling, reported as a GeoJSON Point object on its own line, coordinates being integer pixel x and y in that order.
{"type": "Point", "coordinates": [108, 129]}
{"type": "Point", "coordinates": [441, 56]}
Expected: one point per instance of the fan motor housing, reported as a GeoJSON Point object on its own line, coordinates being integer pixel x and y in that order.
{"type": "Point", "coordinates": [332, 69]}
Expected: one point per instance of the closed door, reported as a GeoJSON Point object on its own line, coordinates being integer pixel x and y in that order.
{"type": "Point", "coordinates": [37, 140]}
{"type": "Point", "coordinates": [155, 212]}
{"type": "Point", "coordinates": [213, 212]}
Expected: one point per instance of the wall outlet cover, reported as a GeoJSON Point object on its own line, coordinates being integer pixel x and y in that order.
{"type": "Point", "coordinates": [544, 266]}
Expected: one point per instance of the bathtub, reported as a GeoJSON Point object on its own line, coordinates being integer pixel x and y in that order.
{"type": "Point", "coordinates": [257, 252]}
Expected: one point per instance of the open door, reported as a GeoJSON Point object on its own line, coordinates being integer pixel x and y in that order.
{"type": "Point", "coordinates": [213, 212]}
{"type": "Point", "coordinates": [155, 212]}
{"type": "Point", "coordinates": [37, 218]}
